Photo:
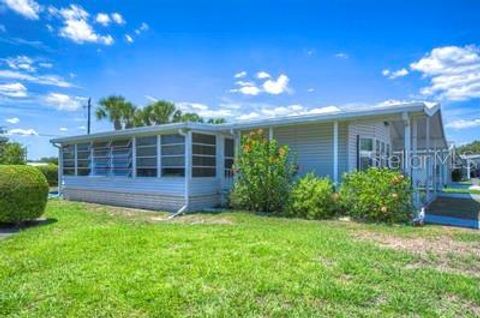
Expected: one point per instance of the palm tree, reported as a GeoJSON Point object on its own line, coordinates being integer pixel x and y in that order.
{"type": "Point", "coordinates": [188, 117]}
{"type": "Point", "coordinates": [159, 112]}
{"type": "Point", "coordinates": [216, 121]}
{"type": "Point", "coordinates": [118, 110]}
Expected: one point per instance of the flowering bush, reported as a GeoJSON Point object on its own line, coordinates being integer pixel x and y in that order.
{"type": "Point", "coordinates": [378, 195]}
{"type": "Point", "coordinates": [264, 173]}
{"type": "Point", "coordinates": [312, 198]}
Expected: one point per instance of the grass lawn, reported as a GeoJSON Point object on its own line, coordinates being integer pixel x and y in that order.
{"type": "Point", "coordinates": [104, 261]}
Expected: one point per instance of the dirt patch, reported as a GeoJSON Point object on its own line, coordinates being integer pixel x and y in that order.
{"type": "Point", "coordinates": [200, 218]}
{"type": "Point", "coordinates": [443, 253]}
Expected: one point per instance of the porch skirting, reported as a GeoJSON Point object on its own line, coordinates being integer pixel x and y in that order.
{"type": "Point", "coordinates": [140, 200]}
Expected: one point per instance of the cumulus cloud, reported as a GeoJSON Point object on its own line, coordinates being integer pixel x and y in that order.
{"type": "Point", "coordinates": [20, 62]}
{"type": "Point", "coordinates": [204, 110]}
{"type": "Point", "coordinates": [22, 132]}
{"type": "Point", "coordinates": [76, 26]}
{"type": "Point", "coordinates": [118, 18]}
{"type": "Point", "coordinates": [64, 102]}
{"type": "Point", "coordinates": [342, 56]}
{"type": "Point", "coordinates": [395, 74]}
{"type": "Point", "coordinates": [311, 90]}
{"type": "Point", "coordinates": [29, 9]}
{"type": "Point", "coordinates": [63, 129]}
{"type": "Point", "coordinates": [463, 124]}
{"type": "Point", "coordinates": [241, 74]}
{"type": "Point", "coordinates": [269, 86]}
{"type": "Point", "coordinates": [142, 28]}
{"type": "Point", "coordinates": [103, 19]}
{"type": "Point", "coordinates": [453, 71]}
{"type": "Point", "coordinates": [278, 86]}
{"type": "Point", "coordinates": [128, 38]}
{"type": "Point", "coordinates": [13, 120]}
{"type": "Point", "coordinates": [52, 80]}
{"type": "Point", "coordinates": [15, 90]}
{"type": "Point", "coordinates": [286, 111]}
{"type": "Point", "coordinates": [263, 75]}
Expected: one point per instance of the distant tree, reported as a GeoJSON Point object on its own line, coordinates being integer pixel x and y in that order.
{"type": "Point", "coordinates": [117, 110]}
{"type": "Point", "coordinates": [188, 117]}
{"type": "Point", "coordinates": [12, 153]}
{"type": "Point", "coordinates": [216, 121]}
{"type": "Point", "coordinates": [159, 112]}
{"type": "Point", "coordinates": [52, 160]}
{"type": "Point", "coordinates": [472, 148]}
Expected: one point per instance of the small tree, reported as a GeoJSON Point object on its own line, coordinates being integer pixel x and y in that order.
{"type": "Point", "coordinates": [12, 153]}
{"type": "Point", "coordinates": [265, 173]}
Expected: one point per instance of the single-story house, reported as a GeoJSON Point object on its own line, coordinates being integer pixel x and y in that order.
{"type": "Point", "coordinates": [188, 166]}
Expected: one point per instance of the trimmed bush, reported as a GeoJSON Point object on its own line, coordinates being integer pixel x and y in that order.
{"type": "Point", "coordinates": [23, 193]}
{"type": "Point", "coordinates": [265, 173]}
{"type": "Point", "coordinates": [312, 198]}
{"type": "Point", "coordinates": [376, 195]}
{"type": "Point", "coordinates": [51, 174]}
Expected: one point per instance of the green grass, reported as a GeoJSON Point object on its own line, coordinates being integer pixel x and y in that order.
{"type": "Point", "coordinates": [461, 191]}
{"type": "Point", "coordinates": [102, 262]}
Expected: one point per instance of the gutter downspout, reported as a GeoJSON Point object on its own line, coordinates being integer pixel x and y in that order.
{"type": "Point", "coordinates": [60, 168]}
{"type": "Point", "coordinates": [187, 135]}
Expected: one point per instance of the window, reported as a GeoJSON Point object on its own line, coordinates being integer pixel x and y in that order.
{"type": "Point", "coordinates": [383, 153]}
{"type": "Point", "coordinates": [68, 156]}
{"type": "Point", "coordinates": [378, 154]}
{"type": "Point", "coordinates": [146, 148]}
{"type": "Point", "coordinates": [101, 158]}
{"type": "Point", "coordinates": [173, 155]}
{"type": "Point", "coordinates": [229, 156]}
{"type": "Point", "coordinates": [365, 153]}
{"type": "Point", "coordinates": [204, 159]}
{"type": "Point", "coordinates": [83, 159]}
{"type": "Point", "coordinates": [122, 158]}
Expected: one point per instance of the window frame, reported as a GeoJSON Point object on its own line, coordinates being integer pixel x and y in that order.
{"type": "Point", "coordinates": [153, 145]}
{"type": "Point", "coordinates": [164, 144]}
{"type": "Point", "coordinates": [197, 169]}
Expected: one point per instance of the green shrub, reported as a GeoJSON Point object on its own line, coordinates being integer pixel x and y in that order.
{"type": "Point", "coordinates": [23, 193]}
{"type": "Point", "coordinates": [264, 173]}
{"type": "Point", "coordinates": [378, 195]}
{"type": "Point", "coordinates": [312, 198]}
{"type": "Point", "coordinates": [50, 172]}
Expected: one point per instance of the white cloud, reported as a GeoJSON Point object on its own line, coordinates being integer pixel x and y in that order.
{"type": "Point", "coordinates": [342, 56]}
{"type": "Point", "coordinates": [63, 129]}
{"type": "Point", "coordinates": [76, 27]}
{"type": "Point", "coordinates": [13, 90]}
{"type": "Point", "coordinates": [27, 8]}
{"type": "Point", "coordinates": [464, 124]}
{"type": "Point", "coordinates": [395, 74]}
{"type": "Point", "coordinates": [276, 87]}
{"type": "Point", "coordinates": [52, 80]}
{"type": "Point", "coordinates": [103, 19]}
{"type": "Point", "coordinates": [143, 27]}
{"type": "Point", "coordinates": [128, 38]}
{"type": "Point", "coordinates": [82, 127]}
{"type": "Point", "coordinates": [117, 18]}
{"type": "Point", "coordinates": [204, 110]}
{"type": "Point", "coordinates": [45, 65]}
{"type": "Point", "coordinates": [454, 72]}
{"type": "Point", "coordinates": [13, 120]}
{"type": "Point", "coordinates": [64, 102]}
{"type": "Point", "coordinates": [241, 74]}
{"type": "Point", "coordinates": [286, 111]}
{"type": "Point", "coordinates": [22, 132]}
{"type": "Point", "coordinates": [20, 62]}
{"type": "Point", "coordinates": [311, 90]}
{"type": "Point", "coordinates": [247, 90]}
{"type": "Point", "coordinates": [263, 75]}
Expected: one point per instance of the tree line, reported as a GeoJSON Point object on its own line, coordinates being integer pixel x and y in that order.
{"type": "Point", "coordinates": [123, 114]}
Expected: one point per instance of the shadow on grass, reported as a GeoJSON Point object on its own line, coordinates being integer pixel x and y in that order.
{"type": "Point", "coordinates": [7, 229]}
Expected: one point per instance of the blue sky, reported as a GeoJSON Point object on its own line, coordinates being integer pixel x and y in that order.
{"type": "Point", "coordinates": [234, 59]}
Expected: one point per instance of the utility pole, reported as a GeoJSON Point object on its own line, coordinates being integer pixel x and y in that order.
{"type": "Point", "coordinates": [89, 108]}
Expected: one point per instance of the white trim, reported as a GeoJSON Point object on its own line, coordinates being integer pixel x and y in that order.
{"type": "Point", "coordinates": [408, 143]}
{"type": "Point", "coordinates": [429, 161]}
{"type": "Point", "coordinates": [270, 133]}
{"type": "Point", "coordinates": [159, 156]}
{"type": "Point", "coordinates": [335, 152]}
{"type": "Point", "coordinates": [134, 157]}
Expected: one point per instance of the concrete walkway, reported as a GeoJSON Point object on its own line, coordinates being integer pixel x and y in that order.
{"type": "Point", "coordinates": [455, 209]}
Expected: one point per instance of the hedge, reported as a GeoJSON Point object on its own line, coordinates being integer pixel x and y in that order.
{"type": "Point", "coordinates": [50, 172]}
{"type": "Point", "coordinates": [23, 193]}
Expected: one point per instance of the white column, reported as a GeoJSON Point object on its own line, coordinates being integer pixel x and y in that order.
{"type": "Point", "coordinates": [428, 160]}
{"type": "Point", "coordinates": [188, 165]}
{"type": "Point", "coordinates": [159, 156]}
{"type": "Point", "coordinates": [407, 145]}
{"type": "Point", "coordinates": [60, 170]}
{"type": "Point", "coordinates": [134, 157]}
{"type": "Point", "coordinates": [220, 139]}
{"type": "Point", "coordinates": [468, 169]}
{"type": "Point", "coordinates": [335, 152]}
{"type": "Point", "coordinates": [270, 134]}
{"type": "Point", "coordinates": [414, 150]}
{"type": "Point", "coordinates": [75, 159]}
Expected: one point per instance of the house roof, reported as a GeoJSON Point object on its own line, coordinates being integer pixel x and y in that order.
{"type": "Point", "coordinates": [340, 115]}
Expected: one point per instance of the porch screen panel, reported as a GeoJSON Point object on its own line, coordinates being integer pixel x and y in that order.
{"type": "Point", "coordinates": [68, 160]}
{"type": "Point", "coordinates": [204, 159]}
{"type": "Point", "coordinates": [147, 155]}
{"type": "Point", "coordinates": [365, 153]}
{"type": "Point", "coordinates": [101, 158]}
{"type": "Point", "coordinates": [229, 156]}
{"type": "Point", "coordinates": [173, 155]}
{"type": "Point", "coordinates": [83, 159]}
{"type": "Point", "coordinates": [122, 158]}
